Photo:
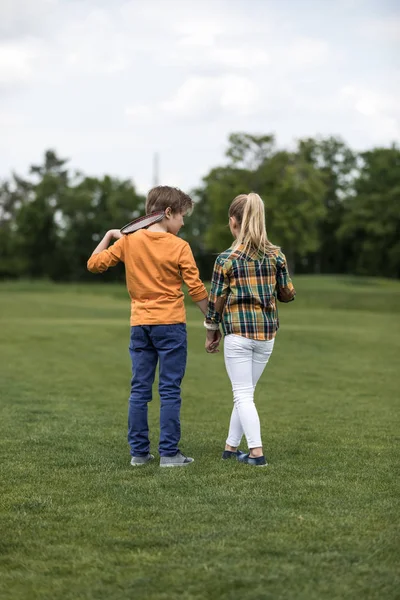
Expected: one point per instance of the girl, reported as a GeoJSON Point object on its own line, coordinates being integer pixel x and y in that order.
{"type": "Point", "coordinates": [247, 280]}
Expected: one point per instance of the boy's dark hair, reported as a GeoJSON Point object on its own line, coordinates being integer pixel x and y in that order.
{"type": "Point", "coordinates": [164, 196]}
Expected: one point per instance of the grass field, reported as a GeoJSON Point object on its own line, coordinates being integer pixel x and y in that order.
{"type": "Point", "coordinates": [321, 522]}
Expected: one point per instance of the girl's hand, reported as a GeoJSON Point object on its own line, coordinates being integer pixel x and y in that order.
{"type": "Point", "coordinates": [114, 234]}
{"type": "Point", "coordinates": [212, 341]}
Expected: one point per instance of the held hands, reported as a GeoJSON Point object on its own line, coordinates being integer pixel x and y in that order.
{"type": "Point", "coordinates": [212, 341]}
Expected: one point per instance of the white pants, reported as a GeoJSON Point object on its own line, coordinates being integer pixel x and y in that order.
{"type": "Point", "coordinates": [245, 360]}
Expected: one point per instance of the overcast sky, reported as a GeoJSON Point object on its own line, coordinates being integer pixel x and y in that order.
{"type": "Point", "coordinates": [107, 83]}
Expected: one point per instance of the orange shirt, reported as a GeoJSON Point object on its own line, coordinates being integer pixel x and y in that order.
{"type": "Point", "coordinates": [155, 265]}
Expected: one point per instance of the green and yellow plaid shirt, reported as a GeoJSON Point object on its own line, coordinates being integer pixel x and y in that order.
{"type": "Point", "coordinates": [244, 293]}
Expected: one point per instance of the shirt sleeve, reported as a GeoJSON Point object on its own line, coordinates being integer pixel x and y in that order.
{"type": "Point", "coordinates": [284, 287]}
{"type": "Point", "coordinates": [190, 274]}
{"type": "Point", "coordinates": [218, 292]}
{"type": "Point", "coordinates": [98, 263]}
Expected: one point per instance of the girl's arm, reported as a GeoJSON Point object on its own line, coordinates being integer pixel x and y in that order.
{"type": "Point", "coordinates": [218, 293]}
{"type": "Point", "coordinates": [216, 304]}
{"type": "Point", "coordinates": [285, 291]}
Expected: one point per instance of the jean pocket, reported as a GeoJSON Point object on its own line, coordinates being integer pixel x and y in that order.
{"type": "Point", "coordinates": [169, 334]}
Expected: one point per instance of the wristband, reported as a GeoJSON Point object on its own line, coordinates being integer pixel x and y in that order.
{"type": "Point", "coordinates": [211, 326]}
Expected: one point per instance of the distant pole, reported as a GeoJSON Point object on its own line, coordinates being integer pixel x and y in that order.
{"type": "Point", "coordinates": [156, 166]}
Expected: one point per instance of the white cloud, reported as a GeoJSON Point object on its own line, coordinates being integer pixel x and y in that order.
{"type": "Point", "coordinates": [140, 111]}
{"type": "Point", "coordinates": [200, 22]}
{"type": "Point", "coordinates": [95, 46]}
{"type": "Point", "coordinates": [370, 102]}
{"type": "Point", "coordinates": [382, 29]}
{"type": "Point", "coordinates": [110, 83]}
{"type": "Point", "coordinates": [239, 95]}
{"type": "Point", "coordinates": [306, 52]}
{"type": "Point", "coordinates": [376, 111]}
{"type": "Point", "coordinates": [198, 33]}
{"type": "Point", "coordinates": [10, 120]}
{"type": "Point", "coordinates": [18, 17]}
{"type": "Point", "coordinates": [17, 61]}
{"type": "Point", "coordinates": [241, 56]}
{"type": "Point", "coordinates": [207, 96]}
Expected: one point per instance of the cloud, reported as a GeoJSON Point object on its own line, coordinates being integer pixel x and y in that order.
{"type": "Point", "coordinates": [139, 111]}
{"type": "Point", "coordinates": [376, 111]}
{"type": "Point", "coordinates": [198, 33]}
{"type": "Point", "coordinates": [208, 96]}
{"type": "Point", "coordinates": [108, 83]}
{"type": "Point", "coordinates": [241, 56]}
{"type": "Point", "coordinates": [11, 119]}
{"type": "Point", "coordinates": [306, 52]}
{"type": "Point", "coordinates": [386, 29]}
{"type": "Point", "coordinates": [200, 22]}
{"type": "Point", "coordinates": [369, 102]}
{"type": "Point", "coordinates": [203, 35]}
{"type": "Point", "coordinates": [94, 45]}
{"type": "Point", "coordinates": [24, 17]}
{"type": "Point", "coordinates": [17, 61]}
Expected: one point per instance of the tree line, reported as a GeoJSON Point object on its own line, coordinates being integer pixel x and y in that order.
{"type": "Point", "coordinates": [331, 209]}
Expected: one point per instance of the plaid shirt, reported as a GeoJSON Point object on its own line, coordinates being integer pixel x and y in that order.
{"type": "Point", "coordinates": [244, 291]}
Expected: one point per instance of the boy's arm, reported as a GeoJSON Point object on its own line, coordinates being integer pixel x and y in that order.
{"type": "Point", "coordinates": [203, 305]}
{"type": "Point", "coordinates": [285, 291]}
{"type": "Point", "coordinates": [103, 257]}
{"type": "Point", "coordinates": [191, 277]}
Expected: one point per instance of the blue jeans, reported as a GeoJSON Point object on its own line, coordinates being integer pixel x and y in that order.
{"type": "Point", "coordinates": [150, 344]}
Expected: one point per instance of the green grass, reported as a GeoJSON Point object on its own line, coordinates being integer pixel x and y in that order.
{"type": "Point", "coordinates": [321, 522]}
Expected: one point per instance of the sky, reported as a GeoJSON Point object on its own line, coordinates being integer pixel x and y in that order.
{"type": "Point", "coordinates": [108, 84]}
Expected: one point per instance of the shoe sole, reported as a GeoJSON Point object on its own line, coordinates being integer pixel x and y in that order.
{"type": "Point", "coordinates": [250, 465]}
{"type": "Point", "coordinates": [142, 464]}
{"type": "Point", "coordinates": [231, 458]}
{"type": "Point", "coordinates": [176, 465]}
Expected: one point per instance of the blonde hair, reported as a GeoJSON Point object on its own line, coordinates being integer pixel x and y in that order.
{"type": "Point", "coordinates": [249, 212]}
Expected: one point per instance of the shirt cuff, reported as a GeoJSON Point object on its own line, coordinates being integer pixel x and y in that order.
{"type": "Point", "coordinates": [197, 296]}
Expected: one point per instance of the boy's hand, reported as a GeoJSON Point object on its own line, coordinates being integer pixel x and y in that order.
{"type": "Point", "coordinates": [114, 234]}
{"type": "Point", "coordinates": [212, 341]}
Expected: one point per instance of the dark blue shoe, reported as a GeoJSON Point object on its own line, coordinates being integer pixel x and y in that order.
{"type": "Point", "coordinates": [256, 462]}
{"type": "Point", "coordinates": [228, 454]}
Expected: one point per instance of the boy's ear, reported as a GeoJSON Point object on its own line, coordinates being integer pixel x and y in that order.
{"type": "Point", "coordinates": [168, 212]}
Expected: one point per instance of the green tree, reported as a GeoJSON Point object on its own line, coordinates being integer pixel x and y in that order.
{"type": "Point", "coordinates": [50, 222]}
{"type": "Point", "coordinates": [10, 262]}
{"type": "Point", "coordinates": [337, 165]}
{"type": "Point", "coordinates": [291, 187]}
{"type": "Point", "coordinates": [371, 223]}
{"type": "Point", "coordinates": [88, 210]}
{"type": "Point", "coordinates": [37, 220]}
{"type": "Point", "coordinates": [294, 192]}
{"type": "Point", "coordinates": [248, 151]}
{"type": "Point", "coordinates": [322, 200]}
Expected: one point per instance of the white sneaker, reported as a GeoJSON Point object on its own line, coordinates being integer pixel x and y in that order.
{"type": "Point", "coordinates": [179, 460]}
{"type": "Point", "coordinates": [138, 461]}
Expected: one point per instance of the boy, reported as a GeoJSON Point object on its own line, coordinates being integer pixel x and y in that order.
{"type": "Point", "coordinates": [156, 261]}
